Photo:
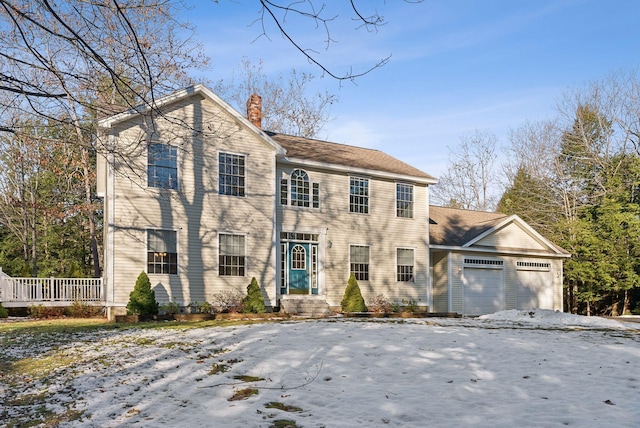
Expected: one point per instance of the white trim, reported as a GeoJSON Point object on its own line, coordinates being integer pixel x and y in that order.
{"type": "Point", "coordinates": [528, 229]}
{"type": "Point", "coordinates": [246, 257]}
{"type": "Point", "coordinates": [450, 281]}
{"type": "Point", "coordinates": [368, 180]}
{"type": "Point", "coordinates": [146, 250]}
{"type": "Point", "coordinates": [414, 264]}
{"type": "Point", "coordinates": [517, 252]}
{"type": "Point", "coordinates": [355, 170]}
{"type": "Point", "coordinates": [246, 170]}
{"type": "Point", "coordinates": [198, 89]}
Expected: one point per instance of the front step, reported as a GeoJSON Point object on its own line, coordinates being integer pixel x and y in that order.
{"type": "Point", "coordinates": [305, 306]}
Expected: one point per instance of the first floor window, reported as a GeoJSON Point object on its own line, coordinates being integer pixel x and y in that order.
{"type": "Point", "coordinates": [162, 166]}
{"type": "Point", "coordinates": [162, 251]}
{"type": "Point", "coordinates": [231, 259]}
{"type": "Point", "coordinates": [404, 200]}
{"type": "Point", "coordinates": [404, 264]}
{"type": "Point", "coordinates": [359, 261]}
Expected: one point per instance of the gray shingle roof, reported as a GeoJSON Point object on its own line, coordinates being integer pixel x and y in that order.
{"type": "Point", "coordinates": [455, 227]}
{"type": "Point", "coordinates": [342, 154]}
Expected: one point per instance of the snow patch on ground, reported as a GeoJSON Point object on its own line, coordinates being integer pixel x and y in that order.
{"type": "Point", "coordinates": [513, 368]}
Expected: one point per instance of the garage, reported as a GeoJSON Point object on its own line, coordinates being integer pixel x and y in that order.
{"type": "Point", "coordinates": [483, 286]}
{"type": "Point", "coordinates": [533, 280]}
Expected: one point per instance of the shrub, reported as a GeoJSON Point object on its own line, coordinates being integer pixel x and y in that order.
{"type": "Point", "coordinates": [83, 310]}
{"type": "Point", "coordinates": [170, 308]}
{"type": "Point", "coordinates": [142, 300]}
{"type": "Point", "coordinates": [380, 305]}
{"type": "Point", "coordinates": [410, 305]}
{"type": "Point", "coordinates": [227, 301]}
{"type": "Point", "coordinates": [200, 308]}
{"type": "Point", "coordinates": [352, 300]}
{"type": "Point", "coordinates": [253, 302]}
{"type": "Point", "coordinates": [42, 311]}
{"type": "Point", "coordinates": [4, 313]}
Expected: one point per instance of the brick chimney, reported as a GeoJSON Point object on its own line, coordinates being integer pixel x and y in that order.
{"type": "Point", "coordinates": [254, 110]}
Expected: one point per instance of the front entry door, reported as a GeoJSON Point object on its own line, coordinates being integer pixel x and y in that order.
{"type": "Point", "coordinates": [301, 264]}
{"type": "Point", "coordinates": [298, 268]}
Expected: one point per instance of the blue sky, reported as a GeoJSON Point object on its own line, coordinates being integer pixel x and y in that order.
{"type": "Point", "coordinates": [456, 65]}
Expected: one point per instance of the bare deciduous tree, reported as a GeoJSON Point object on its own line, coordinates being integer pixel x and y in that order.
{"type": "Point", "coordinates": [286, 107]}
{"type": "Point", "coordinates": [471, 177]}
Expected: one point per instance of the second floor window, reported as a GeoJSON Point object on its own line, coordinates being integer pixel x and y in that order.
{"type": "Point", "coordinates": [359, 195]}
{"type": "Point", "coordinates": [231, 176]}
{"type": "Point", "coordinates": [302, 193]}
{"type": "Point", "coordinates": [404, 200]}
{"type": "Point", "coordinates": [162, 166]}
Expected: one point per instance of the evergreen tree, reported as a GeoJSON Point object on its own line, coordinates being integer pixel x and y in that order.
{"type": "Point", "coordinates": [142, 300]}
{"type": "Point", "coordinates": [253, 302]}
{"type": "Point", "coordinates": [352, 300]}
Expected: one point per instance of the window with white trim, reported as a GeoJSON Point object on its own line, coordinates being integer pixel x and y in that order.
{"type": "Point", "coordinates": [162, 166]}
{"type": "Point", "coordinates": [404, 200]}
{"type": "Point", "coordinates": [298, 257]}
{"type": "Point", "coordinates": [299, 190]}
{"type": "Point", "coordinates": [404, 266]}
{"type": "Point", "coordinates": [359, 261]}
{"type": "Point", "coordinates": [231, 174]}
{"type": "Point", "coordinates": [358, 195]}
{"type": "Point", "coordinates": [162, 251]}
{"type": "Point", "coordinates": [231, 255]}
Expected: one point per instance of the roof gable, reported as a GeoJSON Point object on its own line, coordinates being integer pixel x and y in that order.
{"type": "Point", "coordinates": [476, 229]}
{"type": "Point", "coordinates": [192, 91]}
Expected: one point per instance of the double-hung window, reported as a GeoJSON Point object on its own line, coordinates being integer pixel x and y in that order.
{"type": "Point", "coordinates": [162, 166]}
{"type": "Point", "coordinates": [404, 267]}
{"type": "Point", "coordinates": [162, 251]}
{"type": "Point", "coordinates": [359, 261]}
{"type": "Point", "coordinates": [404, 200]}
{"type": "Point", "coordinates": [231, 259]}
{"type": "Point", "coordinates": [358, 195]}
{"type": "Point", "coordinates": [231, 174]}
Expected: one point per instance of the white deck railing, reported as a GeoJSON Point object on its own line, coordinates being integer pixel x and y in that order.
{"type": "Point", "coordinates": [49, 291]}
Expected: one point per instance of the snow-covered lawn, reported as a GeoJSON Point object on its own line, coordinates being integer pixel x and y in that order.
{"type": "Point", "coordinates": [513, 368]}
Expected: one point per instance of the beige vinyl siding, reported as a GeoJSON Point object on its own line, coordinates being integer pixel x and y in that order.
{"type": "Point", "coordinates": [440, 282]}
{"type": "Point", "coordinates": [195, 210]}
{"type": "Point", "coordinates": [511, 236]}
{"type": "Point", "coordinates": [380, 229]}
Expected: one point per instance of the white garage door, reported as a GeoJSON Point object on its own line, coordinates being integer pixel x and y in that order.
{"type": "Point", "coordinates": [535, 285]}
{"type": "Point", "coordinates": [483, 291]}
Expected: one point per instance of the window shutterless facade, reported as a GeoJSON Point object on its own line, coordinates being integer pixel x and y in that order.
{"type": "Point", "coordinates": [405, 264]}
{"type": "Point", "coordinates": [162, 166]}
{"type": "Point", "coordinates": [231, 174]}
{"type": "Point", "coordinates": [162, 251]}
{"type": "Point", "coordinates": [358, 195]}
{"type": "Point", "coordinates": [231, 255]}
{"type": "Point", "coordinates": [404, 200]}
{"type": "Point", "coordinates": [359, 261]}
{"type": "Point", "coordinates": [299, 191]}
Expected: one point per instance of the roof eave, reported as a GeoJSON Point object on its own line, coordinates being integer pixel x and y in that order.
{"type": "Point", "coordinates": [350, 169]}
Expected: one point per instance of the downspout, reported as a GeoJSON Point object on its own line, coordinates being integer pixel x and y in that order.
{"type": "Point", "coordinates": [110, 224]}
{"type": "Point", "coordinates": [449, 282]}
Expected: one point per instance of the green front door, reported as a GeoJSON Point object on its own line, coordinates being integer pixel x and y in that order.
{"type": "Point", "coordinates": [299, 261]}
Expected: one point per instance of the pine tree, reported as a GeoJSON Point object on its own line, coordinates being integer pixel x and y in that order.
{"type": "Point", "coordinates": [142, 300]}
{"type": "Point", "coordinates": [253, 302]}
{"type": "Point", "coordinates": [352, 300]}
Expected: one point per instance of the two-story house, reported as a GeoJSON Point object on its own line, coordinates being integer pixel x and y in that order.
{"type": "Point", "coordinates": [202, 199]}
